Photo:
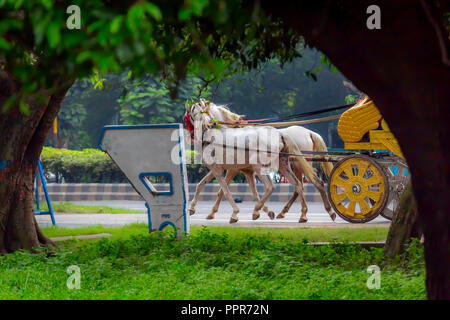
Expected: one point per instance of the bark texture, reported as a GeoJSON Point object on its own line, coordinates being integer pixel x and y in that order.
{"type": "Point", "coordinates": [20, 147]}
{"type": "Point", "coordinates": [405, 225]}
{"type": "Point", "coordinates": [402, 68]}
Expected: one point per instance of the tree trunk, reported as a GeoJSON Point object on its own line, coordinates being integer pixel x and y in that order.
{"type": "Point", "coordinates": [401, 68]}
{"type": "Point", "coordinates": [20, 147]}
{"type": "Point", "coordinates": [405, 225]}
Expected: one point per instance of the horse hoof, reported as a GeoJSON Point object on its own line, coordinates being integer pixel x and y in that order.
{"type": "Point", "coordinates": [302, 220]}
{"type": "Point", "coordinates": [333, 216]}
{"type": "Point", "coordinates": [256, 216]}
{"type": "Point", "coordinates": [210, 217]}
{"type": "Point", "coordinates": [271, 215]}
{"type": "Point", "coordinates": [191, 211]}
{"type": "Point", "coordinates": [233, 220]}
{"type": "Point", "coordinates": [280, 216]}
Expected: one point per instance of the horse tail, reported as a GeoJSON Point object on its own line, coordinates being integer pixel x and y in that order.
{"type": "Point", "coordinates": [307, 169]}
{"type": "Point", "coordinates": [319, 145]}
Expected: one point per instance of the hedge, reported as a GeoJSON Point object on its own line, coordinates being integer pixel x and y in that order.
{"type": "Point", "coordinates": [86, 166]}
{"type": "Point", "coordinates": [94, 166]}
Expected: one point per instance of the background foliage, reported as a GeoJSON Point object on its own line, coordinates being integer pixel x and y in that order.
{"type": "Point", "coordinates": [270, 90]}
{"type": "Point", "coordinates": [95, 166]}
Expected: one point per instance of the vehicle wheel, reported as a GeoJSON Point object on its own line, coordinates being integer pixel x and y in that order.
{"type": "Point", "coordinates": [398, 177]}
{"type": "Point", "coordinates": [358, 188]}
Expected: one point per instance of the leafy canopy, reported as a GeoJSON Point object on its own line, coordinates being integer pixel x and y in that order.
{"type": "Point", "coordinates": [171, 38]}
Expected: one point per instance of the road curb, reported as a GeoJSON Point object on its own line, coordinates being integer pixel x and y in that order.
{"type": "Point", "coordinates": [81, 237]}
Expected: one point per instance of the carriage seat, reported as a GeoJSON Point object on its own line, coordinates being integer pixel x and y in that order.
{"type": "Point", "coordinates": [356, 122]}
{"type": "Point", "coordinates": [363, 127]}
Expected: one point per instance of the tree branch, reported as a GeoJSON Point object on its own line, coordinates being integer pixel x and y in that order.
{"type": "Point", "coordinates": [443, 44]}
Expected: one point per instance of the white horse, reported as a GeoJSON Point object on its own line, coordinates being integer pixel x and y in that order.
{"type": "Point", "coordinates": [308, 140]}
{"type": "Point", "coordinates": [223, 113]}
{"type": "Point", "coordinates": [280, 144]}
{"type": "Point", "coordinates": [305, 139]}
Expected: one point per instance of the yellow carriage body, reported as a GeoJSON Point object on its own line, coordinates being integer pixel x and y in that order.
{"type": "Point", "coordinates": [365, 118]}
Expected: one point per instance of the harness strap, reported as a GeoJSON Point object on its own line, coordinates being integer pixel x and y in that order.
{"type": "Point", "coordinates": [279, 124]}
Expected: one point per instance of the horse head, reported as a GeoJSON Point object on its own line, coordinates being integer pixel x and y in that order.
{"type": "Point", "coordinates": [197, 114]}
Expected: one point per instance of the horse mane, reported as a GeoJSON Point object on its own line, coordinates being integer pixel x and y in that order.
{"type": "Point", "coordinates": [228, 114]}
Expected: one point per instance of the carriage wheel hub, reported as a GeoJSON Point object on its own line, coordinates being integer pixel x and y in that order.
{"type": "Point", "coordinates": [400, 187]}
{"type": "Point", "coordinates": [356, 188]}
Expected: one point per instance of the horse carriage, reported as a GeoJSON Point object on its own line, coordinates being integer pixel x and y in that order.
{"type": "Point", "coordinates": [366, 182]}
{"type": "Point", "coordinates": [367, 179]}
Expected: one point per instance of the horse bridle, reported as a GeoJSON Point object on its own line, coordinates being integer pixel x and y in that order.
{"type": "Point", "coordinates": [189, 121]}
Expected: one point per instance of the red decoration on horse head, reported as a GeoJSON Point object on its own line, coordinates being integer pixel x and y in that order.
{"type": "Point", "coordinates": [189, 125]}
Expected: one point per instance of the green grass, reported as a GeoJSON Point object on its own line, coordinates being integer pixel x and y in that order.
{"type": "Point", "coordinates": [69, 207]}
{"type": "Point", "coordinates": [310, 234]}
{"type": "Point", "coordinates": [339, 234]}
{"type": "Point", "coordinates": [117, 232]}
{"type": "Point", "coordinates": [212, 263]}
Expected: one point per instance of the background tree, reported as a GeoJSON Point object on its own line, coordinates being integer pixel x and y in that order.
{"type": "Point", "coordinates": [41, 58]}
{"type": "Point", "coordinates": [404, 67]}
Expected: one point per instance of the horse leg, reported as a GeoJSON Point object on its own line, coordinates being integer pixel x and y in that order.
{"type": "Point", "coordinates": [252, 184]}
{"type": "Point", "coordinates": [269, 188]}
{"type": "Point", "coordinates": [288, 206]}
{"type": "Point", "coordinates": [321, 187]}
{"type": "Point", "coordinates": [198, 190]}
{"type": "Point", "coordinates": [223, 184]}
{"type": "Point", "coordinates": [294, 197]}
{"type": "Point", "coordinates": [228, 177]}
{"type": "Point", "coordinates": [286, 170]}
{"type": "Point", "coordinates": [299, 174]}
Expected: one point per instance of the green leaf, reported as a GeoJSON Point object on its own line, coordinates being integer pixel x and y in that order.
{"type": "Point", "coordinates": [47, 4]}
{"type": "Point", "coordinates": [9, 103]}
{"type": "Point", "coordinates": [154, 11]}
{"type": "Point", "coordinates": [198, 6]}
{"type": "Point", "coordinates": [24, 108]}
{"type": "Point", "coordinates": [4, 44]}
{"type": "Point", "coordinates": [115, 24]}
{"type": "Point", "coordinates": [83, 56]}
{"type": "Point", "coordinates": [53, 34]}
{"type": "Point", "coordinates": [18, 4]}
{"type": "Point", "coordinates": [184, 15]}
{"type": "Point", "coordinates": [134, 16]}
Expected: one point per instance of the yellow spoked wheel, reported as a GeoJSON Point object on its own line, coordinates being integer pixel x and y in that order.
{"type": "Point", "coordinates": [358, 188]}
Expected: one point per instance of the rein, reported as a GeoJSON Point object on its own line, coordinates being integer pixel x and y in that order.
{"type": "Point", "coordinates": [279, 122]}
{"type": "Point", "coordinates": [276, 124]}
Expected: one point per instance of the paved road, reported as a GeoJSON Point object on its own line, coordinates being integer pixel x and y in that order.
{"type": "Point", "coordinates": [316, 214]}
